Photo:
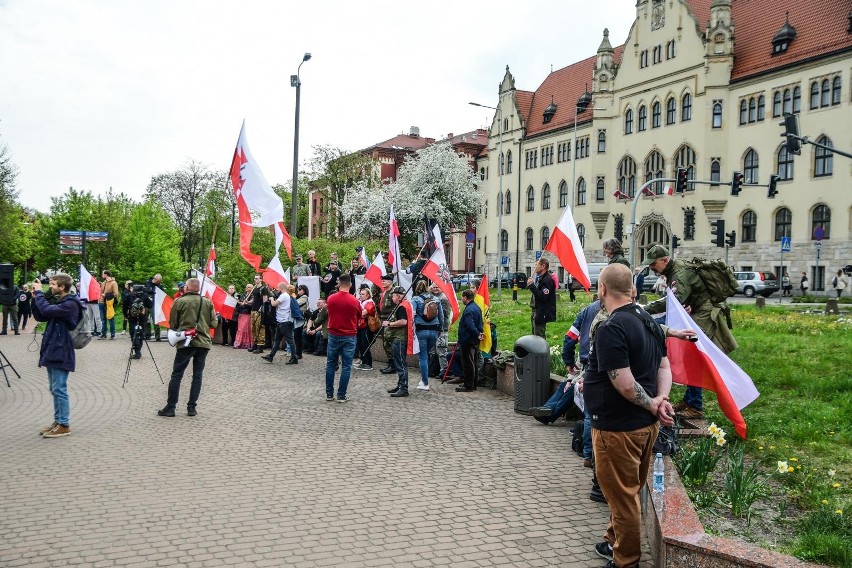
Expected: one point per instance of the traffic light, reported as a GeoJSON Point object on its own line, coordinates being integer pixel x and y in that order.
{"type": "Point", "coordinates": [675, 242]}
{"type": "Point", "coordinates": [732, 239]}
{"type": "Point", "coordinates": [773, 186]}
{"type": "Point", "coordinates": [791, 132]}
{"type": "Point", "coordinates": [718, 231]}
{"type": "Point", "coordinates": [680, 180]}
{"type": "Point", "coordinates": [737, 183]}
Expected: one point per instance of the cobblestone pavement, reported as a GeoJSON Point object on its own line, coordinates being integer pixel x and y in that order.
{"type": "Point", "coordinates": [270, 474]}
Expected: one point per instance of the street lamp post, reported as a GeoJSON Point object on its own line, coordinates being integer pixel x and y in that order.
{"type": "Point", "coordinates": [574, 161]}
{"type": "Point", "coordinates": [296, 82]}
{"type": "Point", "coordinates": [500, 173]}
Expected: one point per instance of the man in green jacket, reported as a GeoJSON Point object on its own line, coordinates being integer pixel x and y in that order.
{"type": "Point", "coordinates": [614, 253]}
{"type": "Point", "coordinates": [195, 316]}
{"type": "Point", "coordinates": [692, 293]}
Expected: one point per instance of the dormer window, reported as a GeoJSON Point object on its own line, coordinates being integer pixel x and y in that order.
{"type": "Point", "coordinates": [549, 111]}
{"type": "Point", "coordinates": [584, 101]}
{"type": "Point", "coordinates": [785, 36]}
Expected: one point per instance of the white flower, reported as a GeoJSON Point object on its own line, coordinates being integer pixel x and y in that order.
{"type": "Point", "coordinates": [782, 467]}
{"type": "Point", "coordinates": [831, 473]}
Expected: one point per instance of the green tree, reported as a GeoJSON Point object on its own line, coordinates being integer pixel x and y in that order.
{"type": "Point", "coordinates": [149, 245]}
{"type": "Point", "coordinates": [16, 229]}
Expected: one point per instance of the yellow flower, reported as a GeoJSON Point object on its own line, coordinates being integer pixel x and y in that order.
{"type": "Point", "coordinates": [782, 467]}
{"type": "Point", "coordinates": [839, 511]}
{"type": "Point", "coordinates": [791, 469]}
{"type": "Point", "coordinates": [835, 485]}
{"type": "Point", "coordinates": [760, 447]}
{"type": "Point", "coordinates": [720, 441]}
{"type": "Point", "coordinates": [825, 501]}
{"type": "Point", "coordinates": [794, 459]}
{"type": "Point", "coordinates": [771, 447]}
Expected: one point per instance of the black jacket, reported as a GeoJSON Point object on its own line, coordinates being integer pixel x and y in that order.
{"type": "Point", "coordinates": [544, 292]}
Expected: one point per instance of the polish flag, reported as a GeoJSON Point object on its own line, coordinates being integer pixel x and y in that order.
{"type": "Point", "coordinates": [274, 275]}
{"type": "Point", "coordinates": [394, 258]}
{"type": "Point", "coordinates": [90, 290]}
{"type": "Point", "coordinates": [437, 271]}
{"type": "Point", "coordinates": [223, 302]}
{"type": "Point", "coordinates": [162, 307]}
{"type": "Point", "coordinates": [376, 271]}
{"type": "Point", "coordinates": [565, 244]}
{"type": "Point", "coordinates": [668, 190]}
{"type": "Point", "coordinates": [412, 345]}
{"type": "Point", "coordinates": [211, 262]}
{"type": "Point", "coordinates": [704, 365]}
{"type": "Point", "coordinates": [363, 258]}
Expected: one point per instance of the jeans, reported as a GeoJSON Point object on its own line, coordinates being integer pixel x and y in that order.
{"type": "Point", "coordinates": [587, 435]}
{"type": "Point", "coordinates": [104, 320]}
{"type": "Point", "coordinates": [58, 379]}
{"type": "Point", "coordinates": [398, 349]}
{"type": "Point", "coordinates": [298, 335]}
{"type": "Point", "coordinates": [343, 347]}
{"type": "Point", "coordinates": [183, 356]}
{"type": "Point", "coordinates": [694, 398]}
{"type": "Point", "coordinates": [364, 337]}
{"type": "Point", "coordinates": [428, 339]}
{"type": "Point", "coordinates": [283, 331]}
{"type": "Point", "coordinates": [558, 403]}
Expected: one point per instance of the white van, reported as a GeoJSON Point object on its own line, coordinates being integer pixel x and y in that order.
{"type": "Point", "coordinates": [595, 271]}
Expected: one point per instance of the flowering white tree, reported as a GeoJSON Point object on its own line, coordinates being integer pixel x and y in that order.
{"type": "Point", "coordinates": [435, 184]}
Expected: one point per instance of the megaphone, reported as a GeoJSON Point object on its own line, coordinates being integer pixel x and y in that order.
{"type": "Point", "coordinates": [174, 337]}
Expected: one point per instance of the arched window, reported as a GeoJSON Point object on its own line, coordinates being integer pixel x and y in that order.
{"type": "Point", "coordinates": [797, 99]}
{"type": "Point", "coordinates": [823, 159]}
{"type": "Point", "coordinates": [643, 118]}
{"type": "Point", "coordinates": [788, 104]}
{"type": "Point", "coordinates": [509, 162]}
{"type": "Point", "coordinates": [826, 93]}
{"type": "Point", "coordinates": [529, 239]}
{"type": "Point", "coordinates": [530, 199]}
{"type": "Point", "coordinates": [627, 176]}
{"type": "Point", "coordinates": [499, 204]}
{"type": "Point", "coordinates": [752, 110]}
{"type": "Point", "coordinates": [715, 170]}
{"type": "Point", "coordinates": [743, 111]}
{"type": "Point", "coordinates": [821, 217]}
{"type": "Point", "coordinates": [761, 107]}
{"type": "Point", "coordinates": [776, 104]}
{"type": "Point", "coordinates": [785, 163]}
{"type": "Point", "coordinates": [563, 194]}
{"type": "Point", "coordinates": [581, 191]}
{"type": "Point", "coordinates": [600, 190]}
{"type": "Point", "coordinates": [508, 201]}
{"type": "Point", "coordinates": [601, 141]}
{"type": "Point", "coordinates": [685, 158]}
{"type": "Point", "coordinates": [628, 121]}
{"type": "Point", "coordinates": [655, 166]}
{"type": "Point", "coordinates": [502, 164]}
{"type": "Point", "coordinates": [671, 110]}
{"type": "Point", "coordinates": [686, 107]}
{"type": "Point", "coordinates": [783, 223]}
{"type": "Point", "coordinates": [545, 236]}
{"type": "Point", "coordinates": [545, 197]}
{"type": "Point", "coordinates": [835, 91]}
{"type": "Point", "coordinates": [717, 114]}
{"type": "Point", "coordinates": [581, 232]}
{"type": "Point", "coordinates": [652, 234]}
{"type": "Point", "coordinates": [814, 95]}
{"type": "Point", "coordinates": [504, 240]}
{"type": "Point", "coordinates": [655, 114]}
{"type": "Point", "coordinates": [749, 227]}
{"type": "Point", "coordinates": [750, 167]}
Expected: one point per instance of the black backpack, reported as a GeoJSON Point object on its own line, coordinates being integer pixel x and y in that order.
{"type": "Point", "coordinates": [137, 308]}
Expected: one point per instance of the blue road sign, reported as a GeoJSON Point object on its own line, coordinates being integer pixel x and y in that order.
{"type": "Point", "coordinates": [470, 236]}
{"type": "Point", "coordinates": [786, 243]}
{"type": "Point", "coordinates": [71, 233]}
{"type": "Point", "coordinates": [819, 233]}
{"type": "Point", "coordinates": [537, 254]}
{"type": "Point", "coordinates": [504, 261]}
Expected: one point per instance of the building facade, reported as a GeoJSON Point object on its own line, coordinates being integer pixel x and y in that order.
{"type": "Point", "coordinates": [701, 85]}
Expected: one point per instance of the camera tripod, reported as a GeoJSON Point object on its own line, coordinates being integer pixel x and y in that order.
{"type": "Point", "coordinates": [4, 362]}
{"type": "Point", "coordinates": [138, 335]}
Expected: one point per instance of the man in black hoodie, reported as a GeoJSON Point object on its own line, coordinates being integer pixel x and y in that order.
{"type": "Point", "coordinates": [543, 301]}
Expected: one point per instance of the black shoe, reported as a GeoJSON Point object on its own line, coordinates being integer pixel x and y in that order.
{"type": "Point", "coordinates": [267, 358]}
{"type": "Point", "coordinates": [464, 389]}
{"type": "Point", "coordinates": [292, 361]}
{"type": "Point", "coordinates": [190, 411]}
{"type": "Point", "coordinates": [258, 351]}
{"type": "Point", "coordinates": [597, 495]}
{"type": "Point", "coordinates": [542, 420]}
{"type": "Point", "coordinates": [101, 337]}
{"type": "Point", "coordinates": [399, 393]}
{"type": "Point", "coordinates": [158, 339]}
{"type": "Point", "coordinates": [3, 332]}
{"type": "Point", "coordinates": [387, 370]}
{"type": "Point", "coordinates": [604, 550]}
{"type": "Point", "coordinates": [541, 411]}
{"type": "Point", "coordinates": [166, 411]}
{"type": "Point", "coordinates": [17, 332]}
{"type": "Point", "coordinates": [137, 356]}
{"type": "Point", "coordinates": [393, 389]}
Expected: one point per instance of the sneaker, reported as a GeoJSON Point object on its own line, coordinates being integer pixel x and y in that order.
{"type": "Point", "coordinates": [123, 332]}
{"type": "Point", "coordinates": [58, 431]}
{"type": "Point", "coordinates": [604, 550]}
{"type": "Point", "coordinates": [393, 389]}
{"type": "Point", "coordinates": [166, 411]}
{"type": "Point", "coordinates": [342, 399]}
{"type": "Point", "coordinates": [690, 412]}
{"type": "Point", "coordinates": [190, 411]}
{"type": "Point", "coordinates": [329, 398]}
{"type": "Point", "coordinates": [102, 337]}
{"type": "Point", "coordinates": [399, 394]}
{"type": "Point", "coordinates": [47, 429]}
{"type": "Point", "coordinates": [267, 358]}
{"type": "Point", "coordinates": [421, 386]}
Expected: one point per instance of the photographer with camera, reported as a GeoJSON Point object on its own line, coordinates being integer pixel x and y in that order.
{"type": "Point", "coordinates": [154, 282]}
{"type": "Point", "coordinates": [139, 307]}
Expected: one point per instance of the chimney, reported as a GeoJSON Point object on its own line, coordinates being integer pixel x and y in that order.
{"type": "Point", "coordinates": [414, 132]}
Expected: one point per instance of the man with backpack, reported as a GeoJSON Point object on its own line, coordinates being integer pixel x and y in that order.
{"type": "Point", "coordinates": [57, 346]}
{"type": "Point", "coordinates": [428, 323]}
{"type": "Point", "coordinates": [704, 299]}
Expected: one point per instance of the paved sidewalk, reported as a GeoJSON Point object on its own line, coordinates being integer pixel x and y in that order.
{"type": "Point", "coordinates": [270, 474]}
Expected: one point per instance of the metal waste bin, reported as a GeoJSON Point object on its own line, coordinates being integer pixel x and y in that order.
{"type": "Point", "coordinates": [532, 373]}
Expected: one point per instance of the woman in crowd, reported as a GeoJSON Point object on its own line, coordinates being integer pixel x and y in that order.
{"type": "Point", "coordinates": [365, 336]}
{"type": "Point", "coordinates": [244, 339]}
{"type": "Point", "coordinates": [229, 326]}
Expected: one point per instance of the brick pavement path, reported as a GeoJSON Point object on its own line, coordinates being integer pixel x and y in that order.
{"type": "Point", "coordinates": [270, 474]}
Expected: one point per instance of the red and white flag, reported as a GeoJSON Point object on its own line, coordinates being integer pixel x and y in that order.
{"type": "Point", "coordinates": [376, 271]}
{"type": "Point", "coordinates": [565, 244]}
{"type": "Point", "coordinates": [89, 290]}
{"type": "Point", "coordinates": [668, 190]}
{"type": "Point", "coordinates": [704, 365]}
{"type": "Point", "coordinates": [362, 256]}
{"type": "Point", "coordinates": [437, 271]}
{"type": "Point", "coordinates": [393, 244]}
{"type": "Point", "coordinates": [211, 262]}
{"type": "Point", "coordinates": [223, 302]}
{"type": "Point", "coordinates": [412, 345]}
{"type": "Point", "coordinates": [162, 307]}
{"type": "Point", "coordinates": [275, 275]}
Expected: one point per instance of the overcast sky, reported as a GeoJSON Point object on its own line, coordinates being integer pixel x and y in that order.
{"type": "Point", "coordinates": [107, 93]}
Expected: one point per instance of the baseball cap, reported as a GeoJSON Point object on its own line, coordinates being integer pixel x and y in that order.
{"type": "Point", "coordinates": [398, 290]}
{"type": "Point", "coordinates": [656, 252]}
{"type": "Point", "coordinates": [388, 277]}
{"type": "Point", "coordinates": [181, 284]}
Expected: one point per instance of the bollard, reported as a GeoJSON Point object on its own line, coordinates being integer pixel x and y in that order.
{"type": "Point", "coordinates": [760, 302]}
{"type": "Point", "coordinates": [831, 306]}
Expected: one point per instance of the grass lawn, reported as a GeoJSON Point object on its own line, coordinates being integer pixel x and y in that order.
{"type": "Point", "coordinates": [802, 365]}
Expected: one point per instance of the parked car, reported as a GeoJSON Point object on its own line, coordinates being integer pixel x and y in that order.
{"type": "Point", "coordinates": [595, 272]}
{"type": "Point", "coordinates": [754, 282]}
{"type": "Point", "coordinates": [461, 281]}
{"type": "Point", "coordinates": [520, 277]}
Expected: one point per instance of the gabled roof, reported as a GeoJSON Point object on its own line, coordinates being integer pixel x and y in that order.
{"type": "Point", "coordinates": [402, 141]}
{"type": "Point", "coordinates": [525, 100]}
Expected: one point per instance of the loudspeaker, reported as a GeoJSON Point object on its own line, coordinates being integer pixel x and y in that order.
{"type": "Point", "coordinates": [7, 287]}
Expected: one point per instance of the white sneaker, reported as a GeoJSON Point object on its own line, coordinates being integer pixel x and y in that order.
{"type": "Point", "coordinates": [123, 332]}
{"type": "Point", "coordinates": [421, 386]}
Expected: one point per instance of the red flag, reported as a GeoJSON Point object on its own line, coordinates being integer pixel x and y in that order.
{"type": "Point", "coordinates": [90, 290]}
{"type": "Point", "coordinates": [162, 307]}
{"type": "Point", "coordinates": [272, 277]}
{"type": "Point", "coordinates": [376, 271]}
{"type": "Point", "coordinates": [223, 302]}
{"type": "Point", "coordinates": [412, 345]}
{"type": "Point", "coordinates": [704, 365]}
{"type": "Point", "coordinates": [436, 270]}
{"type": "Point", "coordinates": [393, 244]}
{"type": "Point", "coordinates": [211, 261]}
{"type": "Point", "coordinates": [565, 244]}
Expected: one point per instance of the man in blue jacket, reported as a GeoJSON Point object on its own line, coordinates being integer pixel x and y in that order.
{"type": "Point", "coordinates": [57, 349]}
{"type": "Point", "coordinates": [470, 334]}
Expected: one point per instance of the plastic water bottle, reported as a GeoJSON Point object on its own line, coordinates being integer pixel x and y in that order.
{"type": "Point", "coordinates": [659, 474]}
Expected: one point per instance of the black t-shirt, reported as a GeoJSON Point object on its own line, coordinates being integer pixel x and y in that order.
{"type": "Point", "coordinates": [257, 296]}
{"type": "Point", "coordinates": [623, 340]}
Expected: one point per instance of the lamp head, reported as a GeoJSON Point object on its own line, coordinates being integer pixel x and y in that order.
{"type": "Point", "coordinates": [306, 57]}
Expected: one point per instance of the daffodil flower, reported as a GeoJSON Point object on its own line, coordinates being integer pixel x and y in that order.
{"type": "Point", "coordinates": [782, 467]}
{"type": "Point", "coordinates": [825, 501]}
{"type": "Point", "coordinates": [835, 485]}
{"type": "Point", "coordinates": [791, 469]}
{"type": "Point", "coordinates": [794, 459]}
{"type": "Point", "coordinates": [839, 511]}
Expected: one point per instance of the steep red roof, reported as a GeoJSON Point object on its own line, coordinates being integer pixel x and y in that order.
{"type": "Point", "coordinates": [525, 100]}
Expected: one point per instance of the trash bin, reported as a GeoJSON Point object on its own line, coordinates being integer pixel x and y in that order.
{"type": "Point", "coordinates": [532, 373]}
